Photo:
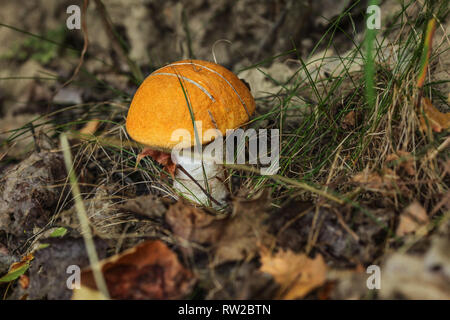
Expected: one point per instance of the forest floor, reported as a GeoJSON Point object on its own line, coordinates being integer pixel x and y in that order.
{"type": "Point", "coordinates": [364, 175]}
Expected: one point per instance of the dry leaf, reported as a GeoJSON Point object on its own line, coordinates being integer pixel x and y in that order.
{"type": "Point", "coordinates": [376, 181]}
{"type": "Point", "coordinates": [412, 218]}
{"type": "Point", "coordinates": [148, 206]}
{"type": "Point", "coordinates": [148, 271]}
{"type": "Point", "coordinates": [241, 281]}
{"type": "Point", "coordinates": [162, 158]}
{"type": "Point", "coordinates": [385, 182]}
{"type": "Point", "coordinates": [193, 224]}
{"type": "Point", "coordinates": [296, 274]}
{"type": "Point", "coordinates": [370, 180]}
{"type": "Point", "coordinates": [349, 120]}
{"type": "Point", "coordinates": [25, 260]}
{"type": "Point", "coordinates": [405, 161]}
{"type": "Point", "coordinates": [244, 232]}
{"type": "Point", "coordinates": [326, 291]}
{"type": "Point", "coordinates": [437, 120]}
{"type": "Point", "coordinates": [24, 281]}
{"type": "Point", "coordinates": [234, 238]}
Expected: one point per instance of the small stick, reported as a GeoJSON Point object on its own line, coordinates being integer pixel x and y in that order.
{"type": "Point", "coordinates": [291, 182]}
{"type": "Point", "coordinates": [433, 153]}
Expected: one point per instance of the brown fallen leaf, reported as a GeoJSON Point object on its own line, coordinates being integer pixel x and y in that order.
{"type": "Point", "coordinates": [147, 205]}
{"type": "Point", "coordinates": [194, 224]}
{"type": "Point", "coordinates": [404, 160]}
{"type": "Point", "coordinates": [326, 291]}
{"type": "Point", "coordinates": [385, 182]}
{"type": "Point", "coordinates": [349, 120]}
{"type": "Point", "coordinates": [25, 260]}
{"type": "Point", "coordinates": [244, 232]}
{"type": "Point", "coordinates": [437, 120]}
{"type": "Point", "coordinates": [148, 271]}
{"type": "Point", "coordinates": [241, 281]}
{"type": "Point", "coordinates": [234, 238]}
{"type": "Point", "coordinates": [162, 158]}
{"type": "Point", "coordinates": [412, 218]}
{"type": "Point", "coordinates": [371, 180]}
{"type": "Point", "coordinates": [296, 274]}
{"type": "Point", "coordinates": [24, 281]}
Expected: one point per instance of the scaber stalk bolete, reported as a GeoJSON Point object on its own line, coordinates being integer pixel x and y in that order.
{"type": "Point", "coordinates": [186, 95]}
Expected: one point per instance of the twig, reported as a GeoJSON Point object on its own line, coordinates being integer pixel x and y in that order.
{"type": "Point", "coordinates": [432, 154]}
{"type": "Point", "coordinates": [341, 221]}
{"type": "Point", "coordinates": [445, 201]}
{"type": "Point", "coordinates": [104, 141]}
{"type": "Point", "coordinates": [289, 181]}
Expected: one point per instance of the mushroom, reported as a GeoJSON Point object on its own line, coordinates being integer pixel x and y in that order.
{"type": "Point", "coordinates": [191, 97]}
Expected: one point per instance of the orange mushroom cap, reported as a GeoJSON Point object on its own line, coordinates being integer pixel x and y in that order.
{"type": "Point", "coordinates": [160, 106]}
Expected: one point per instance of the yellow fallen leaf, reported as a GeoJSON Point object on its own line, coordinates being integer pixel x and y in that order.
{"type": "Point", "coordinates": [296, 274]}
{"type": "Point", "coordinates": [90, 127]}
{"type": "Point", "coordinates": [437, 120]}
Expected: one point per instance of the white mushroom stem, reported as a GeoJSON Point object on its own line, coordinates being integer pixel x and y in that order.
{"type": "Point", "coordinates": [208, 187]}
